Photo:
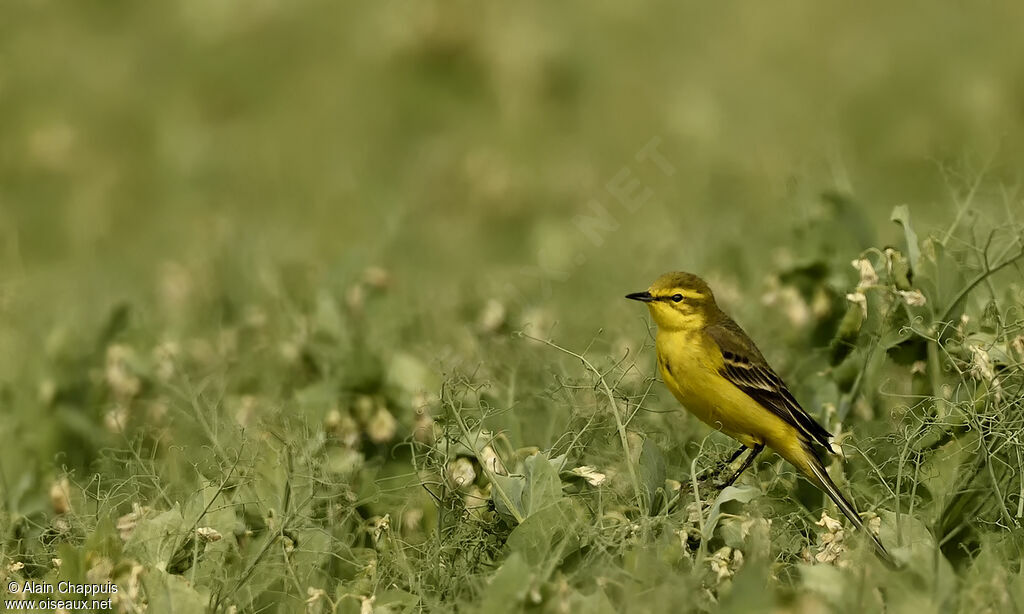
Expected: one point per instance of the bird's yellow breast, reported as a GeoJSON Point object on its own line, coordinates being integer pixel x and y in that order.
{"type": "Point", "coordinates": [689, 363]}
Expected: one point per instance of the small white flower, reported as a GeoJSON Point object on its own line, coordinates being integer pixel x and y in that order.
{"type": "Point", "coordinates": [981, 365]}
{"type": "Point", "coordinates": [832, 545]}
{"type": "Point", "coordinates": [489, 458]}
{"type": "Point", "coordinates": [914, 298]}
{"type": "Point", "coordinates": [382, 427]}
{"type": "Point", "coordinates": [858, 298]}
{"type": "Point", "coordinates": [1018, 344]}
{"type": "Point", "coordinates": [60, 496]}
{"type": "Point", "coordinates": [796, 308]}
{"type": "Point", "coordinates": [208, 534]}
{"type": "Point", "coordinates": [116, 419]}
{"type": "Point", "coordinates": [355, 298]}
{"type": "Point", "coordinates": [126, 524]}
{"type": "Point", "coordinates": [377, 277]}
{"type": "Point", "coordinates": [461, 473]}
{"type": "Point", "coordinates": [367, 605]}
{"type": "Point", "coordinates": [868, 277]}
{"type": "Point", "coordinates": [412, 519]}
{"type": "Point", "coordinates": [381, 526]}
{"type": "Point", "coordinates": [492, 318]}
{"type": "Point", "coordinates": [720, 563]}
{"type": "Point", "coordinates": [831, 524]}
{"type": "Point", "coordinates": [874, 524]}
{"type": "Point", "coordinates": [590, 474]}
{"type": "Point", "coordinates": [315, 595]}
{"type": "Point", "coordinates": [120, 378]}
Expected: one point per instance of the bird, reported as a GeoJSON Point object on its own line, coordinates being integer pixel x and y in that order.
{"type": "Point", "coordinates": [717, 373]}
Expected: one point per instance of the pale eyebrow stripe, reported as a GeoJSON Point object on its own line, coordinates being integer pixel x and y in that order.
{"type": "Point", "coordinates": [686, 294]}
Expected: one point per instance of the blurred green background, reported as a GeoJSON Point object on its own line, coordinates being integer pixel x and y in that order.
{"type": "Point", "coordinates": [453, 142]}
{"type": "Point", "coordinates": [172, 171]}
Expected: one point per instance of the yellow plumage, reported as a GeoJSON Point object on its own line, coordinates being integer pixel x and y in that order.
{"type": "Point", "coordinates": [690, 369]}
{"type": "Point", "coordinates": [717, 373]}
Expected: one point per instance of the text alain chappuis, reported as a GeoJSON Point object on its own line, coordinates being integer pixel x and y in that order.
{"type": "Point", "coordinates": [64, 588]}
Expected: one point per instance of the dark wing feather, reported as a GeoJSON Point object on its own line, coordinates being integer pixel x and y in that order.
{"type": "Point", "coordinates": [747, 369]}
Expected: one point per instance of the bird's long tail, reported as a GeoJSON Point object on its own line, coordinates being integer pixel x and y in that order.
{"type": "Point", "coordinates": [816, 471]}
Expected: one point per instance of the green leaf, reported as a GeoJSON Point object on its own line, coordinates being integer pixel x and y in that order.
{"type": "Point", "coordinates": [652, 471]}
{"type": "Point", "coordinates": [752, 535]}
{"type": "Point", "coordinates": [73, 565]}
{"type": "Point", "coordinates": [327, 318]}
{"type": "Point", "coordinates": [513, 487]}
{"type": "Point", "coordinates": [170, 593]}
{"type": "Point", "coordinates": [900, 272]}
{"type": "Point", "coordinates": [537, 488]}
{"type": "Point", "coordinates": [746, 594]}
{"type": "Point", "coordinates": [117, 322]}
{"type": "Point", "coordinates": [999, 352]}
{"type": "Point", "coordinates": [941, 472]}
{"type": "Point", "coordinates": [846, 337]}
{"type": "Point", "coordinates": [825, 580]}
{"type": "Point", "coordinates": [912, 544]}
{"type": "Point", "coordinates": [410, 375]}
{"type": "Point", "coordinates": [743, 494]}
{"type": "Point", "coordinates": [208, 508]}
{"type": "Point", "coordinates": [318, 398]}
{"type": "Point", "coordinates": [940, 278]}
{"type": "Point", "coordinates": [396, 598]}
{"type": "Point", "coordinates": [901, 215]}
{"type": "Point", "coordinates": [543, 486]}
{"type": "Point", "coordinates": [548, 536]}
{"type": "Point", "coordinates": [558, 462]}
{"type": "Point", "coordinates": [508, 586]}
{"type": "Point", "coordinates": [155, 540]}
{"type": "Point", "coordinates": [596, 602]}
{"type": "Point", "coordinates": [104, 539]}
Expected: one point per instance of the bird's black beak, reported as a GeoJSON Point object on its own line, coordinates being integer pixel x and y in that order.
{"type": "Point", "coordinates": [641, 296]}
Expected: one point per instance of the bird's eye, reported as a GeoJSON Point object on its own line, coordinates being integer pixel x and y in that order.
{"type": "Point", "coordinates": [677, 297]}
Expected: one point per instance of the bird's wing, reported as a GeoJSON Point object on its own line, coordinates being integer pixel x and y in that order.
{"type": "Point", "coordinates": [747, 369]}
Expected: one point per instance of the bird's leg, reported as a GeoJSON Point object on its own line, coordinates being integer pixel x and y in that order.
{"type": "Point", "coordinates": [721, 466]}
{"type": "Point", "coordinates": [735, 455]}
{"type": "Point", "coordinates": [749, 460]}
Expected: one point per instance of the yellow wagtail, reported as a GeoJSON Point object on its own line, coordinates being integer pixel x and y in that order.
{"type": "Point", "coordinates": [715, 370]}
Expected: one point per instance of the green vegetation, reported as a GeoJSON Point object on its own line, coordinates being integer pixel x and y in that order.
{"type": "Point", "coordinates": [317, 307]}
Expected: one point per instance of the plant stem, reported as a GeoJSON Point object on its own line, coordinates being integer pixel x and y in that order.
{"type": "Point", "coordinates": [977, 280]}
{"type": "Point", "coordinates": [620, 425]}
{"type": "Point", "coordinates": [471, 442]}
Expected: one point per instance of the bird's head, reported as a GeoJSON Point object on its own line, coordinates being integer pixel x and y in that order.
{"type": "Point", "coordinates": [678, 301]}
